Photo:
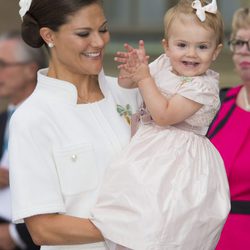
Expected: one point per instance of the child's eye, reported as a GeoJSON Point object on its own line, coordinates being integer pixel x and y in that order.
{"type": "Point", "coordinates": [203, 46]}
{"type": "Point", "coordinates": [181, 45]}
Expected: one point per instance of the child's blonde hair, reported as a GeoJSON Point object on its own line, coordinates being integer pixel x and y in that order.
{"type": "Point", "coordinates": [241, 20]}
{"type": "Point", "coordinates": [213, 21]}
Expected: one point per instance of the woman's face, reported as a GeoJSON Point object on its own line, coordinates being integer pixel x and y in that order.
{"type": "Point", "coordinates": [241, 56]}
{"type": "Point", "coordinates": [79, 44]}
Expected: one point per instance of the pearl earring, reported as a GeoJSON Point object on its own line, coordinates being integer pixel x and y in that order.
{"type": "Point", "coordinates": [51, 45]}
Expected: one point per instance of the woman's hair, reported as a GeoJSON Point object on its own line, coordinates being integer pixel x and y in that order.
{"type": "Point", "coordinates": [51, 14]}
{"type": "Point", "coordinates": [213, 21]}
{"type": "Point", "coordinates": [241, 20]}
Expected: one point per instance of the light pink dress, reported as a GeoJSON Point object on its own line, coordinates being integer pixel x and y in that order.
{"type": "Point", "coordinates": [168, 189]}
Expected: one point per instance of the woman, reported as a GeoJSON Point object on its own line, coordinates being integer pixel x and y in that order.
{"type": "Point", "coordinates": [63, 137]}
{"type": "Point", "coordinates": [230, 133]}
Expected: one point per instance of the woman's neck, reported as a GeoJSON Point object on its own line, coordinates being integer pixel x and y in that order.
{"type": "Point", "coordinates": [88, 88]}
{"type": "Point", "coordinates": [243, 98]}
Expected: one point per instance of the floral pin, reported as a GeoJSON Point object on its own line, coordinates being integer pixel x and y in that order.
{"type": "Point", "coordinates": [186, 79]}
{"type": "Point", "coordinates": [126, 112]}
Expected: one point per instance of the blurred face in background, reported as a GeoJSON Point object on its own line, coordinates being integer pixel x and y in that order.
{"type": "Point", "coordinates": [241, 54]}
{"type": "Point", "coordinates": [16, 75]}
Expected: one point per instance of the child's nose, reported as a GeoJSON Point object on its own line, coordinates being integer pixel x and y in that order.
{"type": "Point", "coordinates": [191, 51]}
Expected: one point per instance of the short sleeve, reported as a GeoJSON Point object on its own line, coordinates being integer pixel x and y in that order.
{"type": "Point", "coordinates": [201, 89]}
{"type": "Point", "coordinates": [33, 179]}
{"type": "Point", "coordinates": [162, 62]}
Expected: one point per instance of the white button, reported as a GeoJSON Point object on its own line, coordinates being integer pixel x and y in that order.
{"type": "Point", "coordinates": [74, 157]}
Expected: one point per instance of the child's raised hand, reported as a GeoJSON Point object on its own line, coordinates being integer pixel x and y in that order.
{"type": "Point", "coordinates": [134, 65]}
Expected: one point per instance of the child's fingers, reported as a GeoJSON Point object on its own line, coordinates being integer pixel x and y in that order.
{"type": "Point", "coordinates": [127, 76]}
{"type": "Point", "coordinates": [120, 59]}
{"type": "Point", "coordinates": [128, 47]}
{"type": "Point", "coordinates": [146, 59]}
{"type": "Point", "coordinates": [122, 54]}
{"type": "Point", "coordinates": [126, 68]}
{"type": "Point", "coordinates": [141, 45]}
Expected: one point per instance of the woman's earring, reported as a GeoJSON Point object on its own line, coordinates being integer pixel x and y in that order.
{"type": "Point", "coordinates": [51, 45]}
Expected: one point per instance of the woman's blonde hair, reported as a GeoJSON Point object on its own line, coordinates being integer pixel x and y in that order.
{"type": "Point", "coordinates": [241, 19]}
{"type": "Point", "coordinates": [213, 21]}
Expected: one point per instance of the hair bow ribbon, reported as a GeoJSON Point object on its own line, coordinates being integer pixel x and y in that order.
{"type": "Point", "coordinates": [201, 10]}
{"type": "Point", "coordinates": [24, 7]}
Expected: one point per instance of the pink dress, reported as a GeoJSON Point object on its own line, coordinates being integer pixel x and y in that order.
{"type": "Point", "coordinates": [168, 189]}
{"type": "Point", "coordinates": [233, 142]}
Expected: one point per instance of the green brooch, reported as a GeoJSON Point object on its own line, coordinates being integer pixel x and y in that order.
{"type": "Point", "coordinates": [126, 112]}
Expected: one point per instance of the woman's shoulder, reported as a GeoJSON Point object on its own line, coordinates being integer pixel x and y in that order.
{"type": "Point", "coordinates": [30, 114]}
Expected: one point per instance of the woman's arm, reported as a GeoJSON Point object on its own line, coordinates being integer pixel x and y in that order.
{"type": "Point", "coordinates": [57, 229]}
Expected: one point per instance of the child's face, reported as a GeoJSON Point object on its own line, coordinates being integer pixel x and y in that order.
{"type": "Point", "coordinates": [190, 47]}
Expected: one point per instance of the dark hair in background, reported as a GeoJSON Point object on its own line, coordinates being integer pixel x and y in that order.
{"type": "Point", "coordinates": [51, 14]}
{"type": "Point", "coordinates": [24, 52]}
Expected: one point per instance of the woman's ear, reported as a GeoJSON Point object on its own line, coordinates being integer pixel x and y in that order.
{"type": "Point", "coordinates": [165, 45]}
{"type": "Point", "coordinates": [217, 51]}
{"type": "Point", "coordinates": [47, 35]}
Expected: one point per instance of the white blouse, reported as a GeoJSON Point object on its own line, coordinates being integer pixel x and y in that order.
{"type": "Point", "coordinates": [59, 149]}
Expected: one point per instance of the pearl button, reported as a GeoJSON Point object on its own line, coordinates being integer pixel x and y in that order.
{"type": "Point", "coordinates": [74, 157]}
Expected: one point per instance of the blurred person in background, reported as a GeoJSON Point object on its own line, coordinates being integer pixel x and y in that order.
{"type": "Point", "coordinates": [18, 69]}
{"type": "Point", "coordinates": [230, 133]}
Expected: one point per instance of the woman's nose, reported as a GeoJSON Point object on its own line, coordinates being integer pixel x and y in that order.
{"type": "Point", "coordinates": [97, 41]}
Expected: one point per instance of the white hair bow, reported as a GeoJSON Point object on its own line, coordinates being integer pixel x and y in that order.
{"type": "Point", "coordinates": [201, 10]}
{"type": "Point", "coordinates": [24, 7]}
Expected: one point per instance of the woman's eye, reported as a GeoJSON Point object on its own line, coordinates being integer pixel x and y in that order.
{"type": "Point", "coordinates": [83, 34]}
{"type": "Point", "coordinates": [104, 30]}
{"type": "Point", "coordinates": [239, 43]}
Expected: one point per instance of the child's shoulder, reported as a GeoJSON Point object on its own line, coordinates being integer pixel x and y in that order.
{"type": "Point", "coordinates": [209, 80]}
{"type": "Point", "coordinates": [204, 88]}
{"type": "Point", "coordinates": [161, 62]}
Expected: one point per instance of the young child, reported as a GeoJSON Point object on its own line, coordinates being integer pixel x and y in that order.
{"type": "Point", "coordinates": [168, 190]}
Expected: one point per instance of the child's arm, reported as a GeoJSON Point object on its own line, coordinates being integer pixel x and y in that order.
{"type": "Point", "coordinates": [122, 57]}
{"type": "Point", "coordinates": [163, 111]}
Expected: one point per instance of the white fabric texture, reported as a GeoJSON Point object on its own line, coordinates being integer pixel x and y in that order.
{"type": "Point", "coordinates": [168, 190]}
{"type": "Point", "coordinates": [59, 149]}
